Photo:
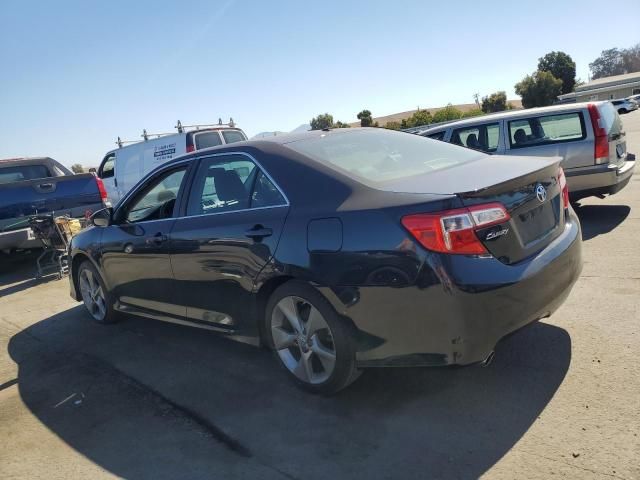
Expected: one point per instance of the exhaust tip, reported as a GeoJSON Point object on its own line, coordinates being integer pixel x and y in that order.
{"type": "Point", "coordinates": [487, 361]}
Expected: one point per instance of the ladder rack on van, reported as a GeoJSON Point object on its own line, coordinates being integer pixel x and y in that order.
{"type": "Point", "coordinates": [181, 129]}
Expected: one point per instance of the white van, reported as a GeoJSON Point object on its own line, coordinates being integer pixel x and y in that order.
{"type": "Point", "coordinates": [123, 167]}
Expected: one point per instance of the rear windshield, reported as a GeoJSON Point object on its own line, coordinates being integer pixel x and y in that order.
{"type": "Point", "coordinates": [378, 155]}
{"type": "Point", "coordinates": [610, 119]}
{"type": "Point", "coordinates": [207, 139]}
{"type": "Point", "coordinates": [233, 136]}
{"type": "Point", "coordinates": [19, 173]}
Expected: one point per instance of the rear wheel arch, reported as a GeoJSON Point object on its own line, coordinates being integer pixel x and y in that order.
{"type": "Point", "coordinates": [262, 298]}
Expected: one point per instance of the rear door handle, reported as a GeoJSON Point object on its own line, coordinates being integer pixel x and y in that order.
{"type": "Point", "coordinates": [157, 239]}
{"type": "Point", "coordinates": [258, 232]}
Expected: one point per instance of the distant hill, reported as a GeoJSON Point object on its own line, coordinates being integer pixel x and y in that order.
{"type": "Point", "coordinates": [398, 117]}
{"type": "Point", "coordinates": [305, 127]}
{"type": "Point", "coordinates": [267, 134]}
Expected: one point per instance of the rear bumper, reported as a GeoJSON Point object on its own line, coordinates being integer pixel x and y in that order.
{"type": "Point", "coordinates": [19, 239]}
{"type": "Point", "coordinates": [462, 306]}
{"type": "Point", "coordinates": [599, 179]}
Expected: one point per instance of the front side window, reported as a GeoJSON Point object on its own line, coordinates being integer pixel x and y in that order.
{"type": "Point", "coordinates": [107, 167]}
{"type": "Point", "coordinates": [479, 137]}
{"type": "Point", "coordinates": [232, 136]}
{"type": "Point", "coordinates": [563, 127]}
{"type": "Point", "coordinates": [207, 140]}
{"type": "Point", "coordinates": [158, 200]}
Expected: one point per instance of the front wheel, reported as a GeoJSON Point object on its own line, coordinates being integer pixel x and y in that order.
{"type": "Point", "coordinates": [95, 296]}
{"type": "Point", "coordinates": [309, 339]}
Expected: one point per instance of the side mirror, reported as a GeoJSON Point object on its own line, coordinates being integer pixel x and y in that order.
{"type": "Point", "coordinates": [102, 218]}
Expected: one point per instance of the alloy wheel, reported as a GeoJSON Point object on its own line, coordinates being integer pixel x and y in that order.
{"type": "Point", "coordinates": [303, 340]}
{"type": "Point", "coordinates": [92, 294]}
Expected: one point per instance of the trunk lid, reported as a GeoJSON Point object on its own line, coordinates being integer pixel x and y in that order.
{"type": "Point", "coordinates": [612, 124]}
{"type": "Point", "coordinates": [528, 187]}
{"type": "Point", "coordinates": [534, 202]}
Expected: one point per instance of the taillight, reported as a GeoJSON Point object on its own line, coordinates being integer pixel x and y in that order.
{"type": "Point", "coordinates": [454, 231]}
{"type": "Point", "coordinates": [191, 148]}
{"type": "Point", "coordinates": [102, 190]}
{"type": "Point", "coordinates": [601, 149]}
{"type": "Point", "coordinates": [562, 181]}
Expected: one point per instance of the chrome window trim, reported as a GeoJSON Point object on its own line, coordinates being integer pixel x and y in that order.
{"type": "Point", "coordinates": [199, 159]}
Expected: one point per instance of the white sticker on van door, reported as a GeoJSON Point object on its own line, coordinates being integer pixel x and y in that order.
{"type": "Point", "coordinates": [164, 152]}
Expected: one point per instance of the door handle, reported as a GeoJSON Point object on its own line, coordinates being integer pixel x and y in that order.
{"type": "Point", "coordinates": [46, 186]}
{"type": "Point", "coordinates": [258, 232]}
{"type": "Point", "coordinates": [157, 239]}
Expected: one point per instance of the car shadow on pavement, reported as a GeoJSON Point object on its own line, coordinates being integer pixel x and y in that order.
{"type": "Point", "coordinates": [599, 219]}
{"type": "Point", "coordinates": [18, 273]}
{"type": "Point", "coordinates": [146, 399]}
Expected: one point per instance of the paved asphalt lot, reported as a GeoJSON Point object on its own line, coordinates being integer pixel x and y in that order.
{"type": "Point", "coordinates": [144, 399]}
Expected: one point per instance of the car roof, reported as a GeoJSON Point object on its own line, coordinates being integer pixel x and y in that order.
{"type": "Point", "coordinates": [511, 114]}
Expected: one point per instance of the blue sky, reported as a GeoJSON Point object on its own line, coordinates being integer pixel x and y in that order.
{"type": "Point", "coordinates": [76, 74]}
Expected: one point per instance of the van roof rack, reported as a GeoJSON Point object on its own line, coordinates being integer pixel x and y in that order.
{"type": "Point", "coordinates": [198, 126]}
{"type": "Point", "coordinates": [181, 129]}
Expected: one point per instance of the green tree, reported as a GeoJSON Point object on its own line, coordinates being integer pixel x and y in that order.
{"type": "Point", "coordinates": [472, 113]}
{"type": "Point", "coordinates": [365, 118]}
{"type": "Point", "coordinates": [339, 124]}
{"type": "Point", "coordinates": [538, 90]}
{"type": "Point", "coordinates": [631, 59]}
{"type": "Point", "coordinates": [77, 168]}
{"type": "Point", "coordinates": [417, 119]}
{"type": "Point", "coordinates": [608, 63]}
{"type": "Point", "coordinates": [496, 102]}
{"type": "Point", "coordinates": [322, 121]}
{"type": "Point", "coordinates": [561, 66]}
{"type": "Point", "coordinates": [446, 114]}
{"type": "Point", "coordinates": [393, 125]}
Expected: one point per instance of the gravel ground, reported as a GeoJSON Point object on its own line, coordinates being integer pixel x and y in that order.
{"type": "Point", "coordinates": [144, 399]}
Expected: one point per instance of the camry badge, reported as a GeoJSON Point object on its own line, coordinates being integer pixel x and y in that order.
{"type": "Point", "coordinates": [541, 193]}
{"type": "Point", "coordinates": [496, 234]}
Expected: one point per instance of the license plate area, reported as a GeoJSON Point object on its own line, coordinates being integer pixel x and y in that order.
{"type": "Point", "coordinates": [538, 221]}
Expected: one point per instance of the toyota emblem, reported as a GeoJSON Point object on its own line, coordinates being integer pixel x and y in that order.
{"type": "Point", "coordinates": [541, 193]}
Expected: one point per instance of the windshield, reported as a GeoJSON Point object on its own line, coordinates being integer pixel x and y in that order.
{"type": "Point", "coordinates": [377, 155]}
{"type": "Point", "coordinates": [19, 173]}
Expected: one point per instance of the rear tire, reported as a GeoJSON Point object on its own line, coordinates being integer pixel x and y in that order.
{"type": "Point", "coordinates": [95, 296]}
{"type": "Point", "coordinates": [309, 339]}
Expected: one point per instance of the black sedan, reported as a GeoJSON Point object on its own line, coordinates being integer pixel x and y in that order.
{"type": "Point", "coordinates": [339, 250]}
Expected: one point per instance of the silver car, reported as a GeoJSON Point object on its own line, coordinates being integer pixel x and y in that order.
{"type": "Point", "coordinates": [588, 136]}
{"type": "Point", "coordinates": [625, 105]}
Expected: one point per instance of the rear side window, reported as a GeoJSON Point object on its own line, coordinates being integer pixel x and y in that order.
{"type": "Point", "coordinates": [436, 136]}
{"type": "Point", "coordinates": [19, 173]}
{"type": "Point", "coordinates": [610, 119]}
{"type": "Point", "coordinates": [478, 137]}
{"type": "Point", "coordinates": [207, 139]}
{"type": "Point", "coordinates": [230, 183]}
{"type": "Point", "coordinates": [549, 129]}
{"type": "Point", "coordinates": [221, 184]}
{"type": "Point", "coordinates": [107, 167]}
{"type": "Point", "coordinates": [232, 136]}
